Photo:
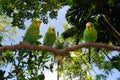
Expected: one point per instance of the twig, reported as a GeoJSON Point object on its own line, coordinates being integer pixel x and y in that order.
{"type": "Point", "coordinates": [115, 32]}
{"type": "Point", "coordinates": [111, 26]}
{"type": "Point", "coordinates": [106, 54]}
{"type": "Point", "coordinates": [55, 51]}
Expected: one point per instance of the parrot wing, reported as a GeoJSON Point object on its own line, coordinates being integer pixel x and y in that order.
{"type": "Point", "coordinates": [90, 35]}
{"type": "Point", "coordinates": [49, 39]}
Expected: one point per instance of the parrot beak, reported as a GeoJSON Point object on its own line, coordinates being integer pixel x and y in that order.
{"type": "Point", "coordinates": [89, 25]}
{"type": "Point", "coordinates": [38, 23]}
{"type": "Point", "coordinates": [52, 30]}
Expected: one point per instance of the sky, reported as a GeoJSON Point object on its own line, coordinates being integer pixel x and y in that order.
{"type": "Point", "coordinates": [58, 23]}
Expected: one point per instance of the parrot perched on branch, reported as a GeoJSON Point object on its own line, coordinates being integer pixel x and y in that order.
{"type": "Point", "coordinates": [49, 38]}
{"type": "Point", "coordinates": [32, 33]}
{"type": "Point", "coordinates": [90, 34]}
{"type": "Point", "coordinates": [31, 36]}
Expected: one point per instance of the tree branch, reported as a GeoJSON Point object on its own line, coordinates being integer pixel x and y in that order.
{"type": "Point", "coordinates": [59, 52]}
{"type": "Point", "coordinates": [111, 26]}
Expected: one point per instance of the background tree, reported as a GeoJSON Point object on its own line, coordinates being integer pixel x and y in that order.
{"type": "Point", "coordinates": [22, 10]}
{"type": "Point", "coordinates": [103, 15]}
{"type": "Point", "coordinates": [106, 23]}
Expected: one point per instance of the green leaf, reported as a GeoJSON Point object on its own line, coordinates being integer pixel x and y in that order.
{"type": "Point", "coordinates": [41, 77]}
{"type": "Point", "coordinates": [46, 67]}
{"type": "Point", "coordinates": [116, 62]}
{"type": "Point", "coordinates": [51, 67]}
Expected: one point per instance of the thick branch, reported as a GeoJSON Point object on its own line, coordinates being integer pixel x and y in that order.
{"type": "Point", "coordinates": [59, 52]}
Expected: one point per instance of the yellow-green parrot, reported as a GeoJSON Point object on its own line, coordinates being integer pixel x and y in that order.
{"type": "Point", "coordinates": [49, 38]}
{"type": "Point", "coordinates": [90, 34]}
{"type": "Point", "coordinates": [32, 33]}
{"type": "Point", "coordinates": [31, 36]}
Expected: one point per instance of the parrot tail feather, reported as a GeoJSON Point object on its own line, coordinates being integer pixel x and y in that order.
{"type": "Point", "coordinates": [89, 60]}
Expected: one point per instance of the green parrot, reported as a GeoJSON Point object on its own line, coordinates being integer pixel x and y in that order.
{"type": "Point", "coordinates": [90, 34]}
{"type": "Point", "coordinates": [49, 38]}
{"type": "Point", "coordinates": [32, 33]}
{"type": "Point", "coordinates": [31, 36]}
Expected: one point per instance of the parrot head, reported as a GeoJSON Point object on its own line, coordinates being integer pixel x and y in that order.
{"type": "Point", "coordinates": [37, 23]}
{"type": "Point", "coordinates": [89, 26]}
{"type": "Point", "coordinates": [51, 29]}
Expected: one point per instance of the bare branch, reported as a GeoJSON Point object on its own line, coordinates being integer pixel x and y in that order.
{"type": "Point", "coordinates": [59, 52]}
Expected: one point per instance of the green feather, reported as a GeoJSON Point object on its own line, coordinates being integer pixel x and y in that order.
{"type": "Point", "coordinates": [90, 35]}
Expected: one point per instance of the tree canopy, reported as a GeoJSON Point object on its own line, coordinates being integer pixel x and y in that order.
{"type": "Point", "coordinates": [22, 10]}
{"type": "Point", "coordinates": [105, 16]}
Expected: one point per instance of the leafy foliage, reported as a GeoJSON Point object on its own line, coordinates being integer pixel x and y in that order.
{"type": "Point", "coordinates": [83, 11]}
{"type": "Point", "coordinates": [6, 29]}
{"type": "Point", "coordinates": [75, 64]}
{"type": "Point", "coordinates": [26, 9]}
{"type": "Point", "coordinates": [115, 62]}
{"type": "Point", "coordinates": [26, 64]}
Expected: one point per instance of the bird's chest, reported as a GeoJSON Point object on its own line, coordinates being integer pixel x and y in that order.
{"type": "Point", "coordinates": [90, 33]}
{"type": "Point", "coordinates": [49, 40]}
{"type": "Point", "coordinates": [90, 36]}
{"type": "Point", "coordinates": [33, 35]}
{"type": "Point", "coordinates": [34, 32]}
